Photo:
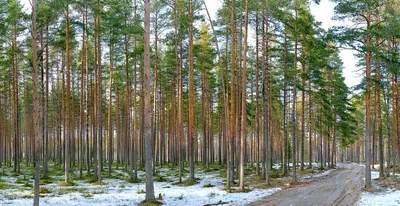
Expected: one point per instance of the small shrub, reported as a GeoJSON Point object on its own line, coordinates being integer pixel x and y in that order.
{"type": "Point", "coordinates": [27, 184]}
{"type": "Point", "coordinates": [185, 183]}
{"type": "Point", "coordinates": [10, 197]}
{"type": "Point", "coordinates": [42, 190]}
{"type": "Point", "coordinates": [27, 196]}
{"type": "Point", "coordinates": [180, 197]}
{"type": "Point", "coordinates": [5, 185]}
{"type": "Point", "coordinates": [66, 184]}
{"type": "Point", "coordinates": [208, 185]}
{"type": "Point", "coordinates": [98, 192]}
{"type": "Point", "coordinates": [160, 197]}
{"type": "Point", "coordinates": [87, 195]}
{"type": "Point", "coordinates": [99, 183]}
{"type": "Point", "coordinates": [275, 174]}
{"type": "Point", "coordinates": [46, 181]}
{"type": "Point", "coordinates": [212, 194]}
{"type": "Point", "coordinates": [134, 180]}
{"type": "Point", "coordinates": [162, 179]}
{"type": "Point", "coordinates": [20, 181]}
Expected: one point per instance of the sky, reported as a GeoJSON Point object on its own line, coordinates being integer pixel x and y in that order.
{"type": "Point", "coordinates": [322, 13]}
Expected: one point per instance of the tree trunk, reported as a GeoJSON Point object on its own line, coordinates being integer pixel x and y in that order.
{"type": "Point", "coordinates": [294, 123]}
{"type": "Point", "coordinates": [367, 111]}
{"type": "Point", "coordinates": [191, 147]}
{"type": "Point", "coordinates": [67, 97]}
{"type": "Point", "coordinates": [285, 102]}
{"type": "Point", "coordinates": [232, 131]}
{"type": "Point", "coordinates": [147, 113]}
{"type": "Point", "coordinates": [36, 105]}
{"type": "Point", "coordinates": [243, 118]}
{"type": "Point", "coordinates": [110, 123]}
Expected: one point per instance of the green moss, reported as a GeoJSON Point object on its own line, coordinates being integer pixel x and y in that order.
{"type": "Point", "coordinates": [232, 190]}
{"type": "Point", "coordinates": [15, 174]}
{"type": "Point", "coordinates": [275, 174]}
{"type": "Point", "coordinates": [87, 195]}
{"type": "Point", "coordinates": [27, 196]}
{"type": "Point", "coordinates": [5, 185]}
{"type": "Point", "coordinates": [186, 183]}
{"type": "Point", "coordinates": [134, 180]}
{"type": "Point", "coordinates": [43, 190]}
{"type": "Point", "coordinates": [20, 180]}
{"type": "Point", "coordinates": [161, 179]}
{"type": "Point", "coordinates": [222, 173]}
{"type": "Point", "coordinates": [27, 184]}
{"type": "Point", "coordinates": [99, 183]}
{"type": "Point", "coordinates": [208, 185]}
{"type": "Point", "coordinates": [67, 191]}
{"type": "Point", "coordinates": [150, 203]}
{"type": "Point", "coordinates": [46, 181]}
{"type": "Point", "coordinates": [66, 184]}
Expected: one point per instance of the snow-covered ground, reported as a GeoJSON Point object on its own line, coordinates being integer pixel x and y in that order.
{"type": "Point", "coordinates": [388, 197]}
{"type": "Point", "coordinates": [120, 192]}
{"type": "Point", "coordinates": [385, 197]}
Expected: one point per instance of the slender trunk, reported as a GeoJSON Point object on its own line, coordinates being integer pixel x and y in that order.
{"type": "Point", "coordinates": [243, 118]}
{"type": "Point", "coordinates": [99, 97]}
{"type": "Point", "coordinates": [36, 105]}
{"type": "Point", "coordinates": [285, 102]}
{"type": "Point", "coordinates": [147, 114]}
{"type": "Point", "coordinates": [379, 120]}
{"type": "Point", "coordinates": [110, 123]}
{"type": "Point", "coordinates": [46, 107]}
{"type": "Point", "coordinates": [134, 132]}
{"type": "Point", "coordinates": [303, 117]}
{"type": "Point", "coordinates": [294, 138]}
{"type": "Point", "coordinates": [232, 131]}
{"type": "Point", "coordinates": [257, 121]}
{"type": "Point", "coordinates": [15, 101]}
{"type": "Point", "coordinates": [191, 132]}
{"type": "Point", "coordinates": [367, 112]}
{"type": "Point", "coordinates": [67, 97]}
{"type": "Point", "coordinates": [266, 103]}
{"type": "Point", "coordinates": [310, 149]}
{"type": "Point", "coordinates": [82, 102]}
{"type": "Point", "coordinates": [86, 67]}
{"type": "Point", "coordinates": [154, 120]}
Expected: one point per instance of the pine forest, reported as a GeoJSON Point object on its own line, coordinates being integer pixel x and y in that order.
{"type": "Point", "coordinates": [199, 102]}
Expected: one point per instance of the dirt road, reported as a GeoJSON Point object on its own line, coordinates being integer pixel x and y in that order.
{"type": "Point", "coordinates": [341, 187]}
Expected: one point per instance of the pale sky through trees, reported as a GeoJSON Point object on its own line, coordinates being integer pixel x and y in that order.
{"type": "Point", "coordinates": [323, 13]}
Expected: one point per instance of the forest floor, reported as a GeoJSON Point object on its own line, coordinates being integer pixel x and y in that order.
{"type": "Point", "coordinates": [341, 186]}
{"type": "Point", "coordinates": [17, 188]}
